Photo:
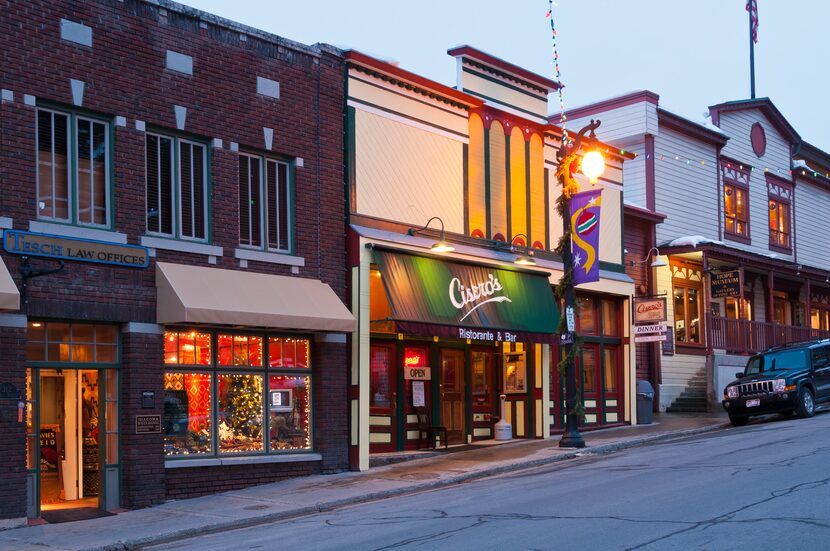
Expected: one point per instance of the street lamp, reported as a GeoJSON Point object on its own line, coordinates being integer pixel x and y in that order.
{"type": "Point", "coordinates": [440, 246]}
{"type": "Point", "coordinates": [592, 166]}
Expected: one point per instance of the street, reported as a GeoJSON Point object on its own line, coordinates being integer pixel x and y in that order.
{"type": "Point", "coordinates": [763, 486]}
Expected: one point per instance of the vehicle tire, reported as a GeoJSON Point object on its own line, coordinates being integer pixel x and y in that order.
{"type": "Point", "coordinates": [806, 405]}
{"type": "Point", "coordinates": [738, 420]}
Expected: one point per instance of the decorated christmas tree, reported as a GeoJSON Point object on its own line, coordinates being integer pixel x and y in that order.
{"type": "Point", "coordinates": [245, 405]}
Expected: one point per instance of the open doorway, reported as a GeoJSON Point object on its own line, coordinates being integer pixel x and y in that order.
{"type": "Point", "coordinates": [70, 450]}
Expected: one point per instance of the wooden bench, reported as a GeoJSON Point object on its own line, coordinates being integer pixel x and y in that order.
{"type": "Point", "coordinates": [427, 431]}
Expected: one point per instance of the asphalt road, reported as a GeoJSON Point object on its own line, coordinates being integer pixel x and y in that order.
{"type": "Point", "coordinates": [763, 486]}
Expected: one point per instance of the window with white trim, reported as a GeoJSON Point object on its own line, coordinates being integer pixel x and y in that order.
{"type": "Point", "coordinates": [73, 173]}
{"type": "Point", "coordinates": [177, 200]}
{"type": "Point", "coordinates": [264, 203]}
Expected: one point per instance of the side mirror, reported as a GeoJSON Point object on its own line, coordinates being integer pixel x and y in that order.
{"type": "Point", "coordinates": [739, 374]}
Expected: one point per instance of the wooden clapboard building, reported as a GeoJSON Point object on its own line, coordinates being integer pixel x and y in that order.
{"type": "Point", "coordinates": [441, 335]}
{"type": "Point", "coordinates": [736, 204]}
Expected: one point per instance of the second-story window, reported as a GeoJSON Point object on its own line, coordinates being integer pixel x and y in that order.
{"type": "Point", "coordinates": [73, 155]}
{"type": "Point", "coordinates": [264, 203]}
{"type": "Point", "coordinates": [176, 187]}
{"type": "Point", "coordinates": [735, 200]}
{"type": "Point", "coordinates": [780, 196]}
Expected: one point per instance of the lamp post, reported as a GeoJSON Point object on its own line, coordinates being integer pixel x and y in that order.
{"type": "Point", "coordinates": [592, 166]}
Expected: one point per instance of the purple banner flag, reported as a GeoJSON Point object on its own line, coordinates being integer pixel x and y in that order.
{"type": "Point", "coordinates": [585, 210]}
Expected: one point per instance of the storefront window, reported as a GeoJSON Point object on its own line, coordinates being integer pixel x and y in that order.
{"type": "Point", "coordinates": [481, 370]}
{"type": "Point", "coordinates": [240, 413]}
{"type": "Point", "coordinates": [216, 392]}
{"type": "Point", "coordinates": [589, 368]}
{"type": "Point", "coordinates": [187, 414]}
{"type": "Point", "coordinates": [586, 315]}
{"type": "Point", "coordinates": [610, 327]}
{"type": "Point", "coordinates": [289, 412]}
{"type": "Point", "coordinates": [379, 363]}
{"type": "Point", "coordinates": [75, 343]}
{"type": "Point", "coordinates": [609, 369]}
{"type": "Point", "coordinates": [687, 315]}
{"type": "Point", "coordinates": [515, 371]}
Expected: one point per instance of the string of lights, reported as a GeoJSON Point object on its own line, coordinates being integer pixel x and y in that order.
{"type": "Point", "coordinates": [562, 116]}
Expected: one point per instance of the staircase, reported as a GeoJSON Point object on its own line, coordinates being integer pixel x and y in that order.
{"type": "Point", "coordinates": [693, 398]}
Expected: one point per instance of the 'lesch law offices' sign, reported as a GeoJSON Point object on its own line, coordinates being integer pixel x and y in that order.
{"type": "Point", "coordinates": [58, 247]}
{"type": "Point", "coordinates": [726, 284]}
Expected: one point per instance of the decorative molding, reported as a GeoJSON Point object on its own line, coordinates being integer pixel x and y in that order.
{"type": "Point", "coordinates": [165, 244]}
{"type": "Point", "coordinates": [30, 100]}
{"type": "Point", "coordinates": [77, 92]}
{"type": "Point", "coordinates": [249, 460]}
{"type": "Point", "coordinates": [6, 95]}
{"type": "Point", "coordinates": [6, 223]}
{"type": "Point", "coordinates": [76, 32]}
{"type": "Point", "coordinates": [143, 328]}
{"type": "Point", "coordinates": [141, 126]}
{"type": "Point", "coordinates": [13, 320]}
{"type": "Point", "coordinates": [217, 143]}
{"type": "Point", "coordinates": [269, 257]}
{"type": "Point", "coordinates": [78, 232]}
{"type": "Point", "coordinates": [268, 135]}
{"type": "Point", "coordinates": [181, 63]}
{"type": "Point", "coordinates": [181, 116]}
{"type": "Point", "coordinates": [267, 87]}
{"type": "Point", "coordinates": [121, 121]}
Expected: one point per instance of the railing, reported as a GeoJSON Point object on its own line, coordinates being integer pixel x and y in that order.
{"type": "Point", "coordinates": [748, 337]}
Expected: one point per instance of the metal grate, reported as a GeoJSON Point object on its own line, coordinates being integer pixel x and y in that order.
{"type": "Point", "coordinates": [751, 389]}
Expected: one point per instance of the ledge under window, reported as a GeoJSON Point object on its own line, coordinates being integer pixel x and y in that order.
{"type": "Point", "coordinates": [245, 460]}
{"type": "Point", "coordinates": [268, 256]}
{"type": "Point", "coordinates": [737, 238]}
{"type": "Point", "coordinates": [180, 246]}
{"type": "Point", "coordinates": [78, 232]}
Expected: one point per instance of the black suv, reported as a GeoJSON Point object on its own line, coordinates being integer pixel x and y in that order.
{"type": "Point", "coordinates": [784, 379]}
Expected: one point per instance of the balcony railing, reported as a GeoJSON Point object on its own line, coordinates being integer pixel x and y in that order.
{"type": "Point", "coordinates": [738, 336]}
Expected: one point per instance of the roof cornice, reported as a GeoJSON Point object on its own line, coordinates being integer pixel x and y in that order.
{"type": "Point", "coordinates": [690, 128]}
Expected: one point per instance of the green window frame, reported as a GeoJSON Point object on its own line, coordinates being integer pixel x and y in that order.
{"type": "Point", "coordinates": [265, 199]}
{"type": "Point", "coordinates": [177, 199]}
{"type": "Point", "coordinates": [74, 157]}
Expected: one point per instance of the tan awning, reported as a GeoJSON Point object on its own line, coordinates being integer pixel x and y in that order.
{"type": "Point", "coordinates": [193, 294]}
{"type": "Point", "coordinates": [9, 295]}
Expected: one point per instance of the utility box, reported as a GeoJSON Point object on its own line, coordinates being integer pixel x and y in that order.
{"type": "Point", "coordinates": [645, 402]}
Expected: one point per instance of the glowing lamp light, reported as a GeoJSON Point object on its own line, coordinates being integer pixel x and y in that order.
{"type": "Point", "coordinates": [441, 247]}
{"type": "Point", "coordinates": [593, 165]}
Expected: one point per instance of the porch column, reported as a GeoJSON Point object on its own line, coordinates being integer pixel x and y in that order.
{"type": "Point", "coordinates": [807, 312]}
{"type": "Point", "coordinates": [707, 302]}
{"type": "Point", "coordinates": [770, 309]}
{"type": "Point", "coordinates": [742, 324]}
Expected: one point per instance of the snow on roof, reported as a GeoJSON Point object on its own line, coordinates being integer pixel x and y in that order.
{"type": "Point", "coordinates": [692, 241]}
{"type": "Point", "coordinates": [705, 122]}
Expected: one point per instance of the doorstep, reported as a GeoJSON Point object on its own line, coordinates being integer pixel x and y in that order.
{"type": "Point", "coordinates": [390, 458]}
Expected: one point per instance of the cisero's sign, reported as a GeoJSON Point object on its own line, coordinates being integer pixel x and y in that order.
{"type": "Point", "coordinates": [649, 310]}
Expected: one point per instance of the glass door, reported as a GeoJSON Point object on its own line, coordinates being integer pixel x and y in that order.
{"type": "Point", "coordinates": [453, 412]}
{"type": "Point", "coordinates": [383, 398]}
{"type": "Point", "coordinates": [482, 386]}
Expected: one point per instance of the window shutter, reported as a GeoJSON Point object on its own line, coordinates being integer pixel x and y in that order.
{"type": "Point", "coordinates": [244, 200]}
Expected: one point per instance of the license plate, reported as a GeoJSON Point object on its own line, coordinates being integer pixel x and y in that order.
{"type": "Point", "coordinates": [753, 403]}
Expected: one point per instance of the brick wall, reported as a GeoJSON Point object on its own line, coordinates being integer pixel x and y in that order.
{"type": "Point", "coordinates": [12, 433]}
{"type": "Point", "coordinates": [125, 76]}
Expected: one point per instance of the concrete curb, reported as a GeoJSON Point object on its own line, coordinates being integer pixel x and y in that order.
{"type": "Point", "coordinates": [138, 543]}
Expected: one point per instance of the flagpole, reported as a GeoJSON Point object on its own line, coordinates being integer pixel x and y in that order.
{"type": "Point", "coordinates": [751, 58]}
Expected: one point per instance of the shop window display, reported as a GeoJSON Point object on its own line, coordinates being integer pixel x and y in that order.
{"type": "Point", "coordinates": [254, 406]}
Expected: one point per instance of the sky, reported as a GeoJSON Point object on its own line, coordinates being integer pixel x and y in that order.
{"type": "Point", "coordinates": [692, 53]}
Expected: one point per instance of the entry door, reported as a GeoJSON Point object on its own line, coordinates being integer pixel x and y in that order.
{"type": "Point", "coordinates": [71, 438]}
{"type": "Point", "coordinates": [383, 398]}
{"type": "Point", "coordinates": [453, 412]}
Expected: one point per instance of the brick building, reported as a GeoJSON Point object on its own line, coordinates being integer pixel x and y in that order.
{"type": "Point", "coordinates": [172, 204]}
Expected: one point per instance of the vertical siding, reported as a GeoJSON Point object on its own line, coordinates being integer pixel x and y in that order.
{"type": "Point", "coordinates": [407, 184]}
{"type": "Point", "coordinates": [777, 156]}
{"type": "Point", "coordinates": [610, 226]}
{"type": "Point", "coordinates": [537, 192]}
{"type": "Point", "coordinates": [685, 193]}
{"type": "Point", "coordinates": [476, 196]}
{"type": "Point", "coordinates": [518, 183]}
{"type": "Point", "coordinates": [637, 243]}
{"type": "Point", "coordinates": [498, 182]}
{"type": "Point", "coordinates": [812, 206]}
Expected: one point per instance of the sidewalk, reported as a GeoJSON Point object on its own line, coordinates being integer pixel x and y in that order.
{"type": "Point", "coordinates": [271, 502]}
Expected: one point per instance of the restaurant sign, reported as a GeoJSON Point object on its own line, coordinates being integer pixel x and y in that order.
{"type": "Point", "coordinates": [726, 284]}
{"type": "Point", "coordinates": [649, 310]}
{"type": "Point", "coordinates": [58, 247]}
{"type": "Point", "coordinates": [466, 301]}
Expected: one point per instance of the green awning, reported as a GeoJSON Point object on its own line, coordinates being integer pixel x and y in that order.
{"type": "Point", "coordinates": [480, 298]}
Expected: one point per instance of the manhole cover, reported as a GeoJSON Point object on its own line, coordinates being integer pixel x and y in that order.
{"type": "Point", "coordinates": [420, 476]}
{"type": "Point", "coordinates": [255, 507]}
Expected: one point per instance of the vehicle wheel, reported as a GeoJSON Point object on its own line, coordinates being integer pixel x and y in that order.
{"type": "Point", "coordinates": [738, 420]}
{"type": "Point", "coordinates": [806, 405]}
